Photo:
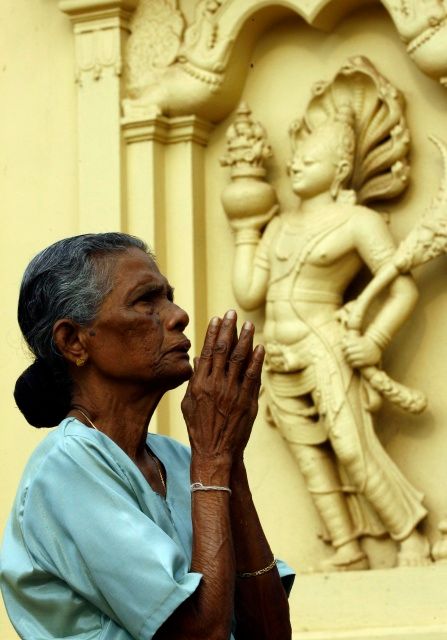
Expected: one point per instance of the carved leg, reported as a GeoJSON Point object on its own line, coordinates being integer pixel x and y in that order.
{"type": "Point", "coordinates": [320, 473]}
{"type": "Point", "coordinates": [414, 551]}
{"type": "Point", "coordinates": [375, 475]}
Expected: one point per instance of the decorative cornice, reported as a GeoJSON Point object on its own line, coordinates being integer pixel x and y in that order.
{"type": "Point", "coordinates": [168, 130]}
{"type": "Point", "coordinates": [88, 10]}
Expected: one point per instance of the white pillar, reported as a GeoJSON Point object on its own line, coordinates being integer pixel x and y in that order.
{"type": "Point", "coordinates": [100, 30]}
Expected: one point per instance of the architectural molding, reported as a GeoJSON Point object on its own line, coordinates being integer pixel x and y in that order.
{"type": "Point", "coordinates": [86, 10]}
{"type": "Point", "coordinates": [168, 130]}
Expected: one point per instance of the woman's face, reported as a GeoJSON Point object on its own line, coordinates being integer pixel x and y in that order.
{"type": "Point", "coordinates": [314, 166]}
{"type": "Point", "coordinates": [137, 336]}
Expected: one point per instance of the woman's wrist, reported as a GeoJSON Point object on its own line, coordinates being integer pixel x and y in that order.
{"type": "Point", "coordinates": [211, 470]}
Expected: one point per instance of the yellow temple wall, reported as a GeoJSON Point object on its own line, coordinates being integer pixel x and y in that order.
{"type": "Point", "coordinates": [39, 194]}
{"type": "Point", "coordinates": [47, 194]}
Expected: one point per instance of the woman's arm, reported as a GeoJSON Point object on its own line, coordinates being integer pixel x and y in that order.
{"type": "Point", "coordinates": [261, 605]}
{"type": "Point", "coordinates": [219, 409]}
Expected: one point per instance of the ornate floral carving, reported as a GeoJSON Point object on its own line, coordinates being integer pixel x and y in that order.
{"type": "Point", "coordinates": [157, 28]}
{"type": "Point", "coordinates": [203, 45]}
{"type": "Point", "coordinates": [170, 67]}
{"type": "Point", "coordinates": [246, 141]}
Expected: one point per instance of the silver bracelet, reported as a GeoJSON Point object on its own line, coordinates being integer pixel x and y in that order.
{"type": "Point", "coordinates": [259, 572]}
{"type": "Point", "coordinates": [198, 486]}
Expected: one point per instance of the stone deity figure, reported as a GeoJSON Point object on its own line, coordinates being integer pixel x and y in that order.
{"type": "Point", "coordinates": [300, 267]}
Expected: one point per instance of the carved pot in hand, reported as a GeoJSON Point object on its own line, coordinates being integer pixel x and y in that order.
{"type": "Point", "coordinates": [248, 194]}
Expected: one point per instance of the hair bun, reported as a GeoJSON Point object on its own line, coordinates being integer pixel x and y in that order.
{"type": "Point", "coordinates": [42, 394]}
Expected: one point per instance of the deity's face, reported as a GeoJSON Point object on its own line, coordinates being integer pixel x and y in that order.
{"type": "Point", "coordinates": [314, 166]}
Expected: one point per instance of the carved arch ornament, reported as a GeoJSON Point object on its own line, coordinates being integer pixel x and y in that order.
{"type": "Point", "coordinates": [174, 68]}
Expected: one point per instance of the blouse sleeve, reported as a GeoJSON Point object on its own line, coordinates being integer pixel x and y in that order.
{"type": "Point", "coordinates": [82, 523]}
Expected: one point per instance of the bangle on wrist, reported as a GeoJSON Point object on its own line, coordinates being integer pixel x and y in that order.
{"type": "Point", "coordinates": [380, 338]}
{"type": "Point", "coordinates": [198, 486]}
{"type": "Point", "coordinates": [247, 236]}
{"type": "Point", "coordinates": [259, 572]}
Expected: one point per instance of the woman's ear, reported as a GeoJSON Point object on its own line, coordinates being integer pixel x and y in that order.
{"type": "Point", "coordinates": [67, 336]}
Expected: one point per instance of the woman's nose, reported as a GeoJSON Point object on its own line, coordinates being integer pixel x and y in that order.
{"type": "Point", "coordinates": [178, 318]}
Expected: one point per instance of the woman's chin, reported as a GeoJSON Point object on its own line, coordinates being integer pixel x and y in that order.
{"type": "Point", "coordinates": [183, 373]}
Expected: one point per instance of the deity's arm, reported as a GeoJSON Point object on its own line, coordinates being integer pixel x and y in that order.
{"type": "Point", "coordinates": [375, 246]}
{"type": "Point", "coordinates": [251, 266]}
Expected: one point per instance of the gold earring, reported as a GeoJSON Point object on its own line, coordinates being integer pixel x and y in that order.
{"type": "Point", "coordinates": [80, 362]}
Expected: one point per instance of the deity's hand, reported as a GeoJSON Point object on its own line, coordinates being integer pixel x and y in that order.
{"type": "Point", "coordinates": [253, 222]}
{"type": "Point", "coordinates": [221, 400]}
{"type": "Point", "coordinates": [360, 351]}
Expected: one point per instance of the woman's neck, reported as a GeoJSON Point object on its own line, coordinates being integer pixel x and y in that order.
{"type": "Point", "coordinates": [121, 414]}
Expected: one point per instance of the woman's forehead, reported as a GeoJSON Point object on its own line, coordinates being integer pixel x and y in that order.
{"type": "Point", "coordinates": [135, 266]}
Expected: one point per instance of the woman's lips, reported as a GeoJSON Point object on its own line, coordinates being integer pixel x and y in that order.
{"type": "Point", "coordinates": [183, 346]}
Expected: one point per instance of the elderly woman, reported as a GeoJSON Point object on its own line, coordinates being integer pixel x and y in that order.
{"type": "Point", "coordinates": [117, 534]}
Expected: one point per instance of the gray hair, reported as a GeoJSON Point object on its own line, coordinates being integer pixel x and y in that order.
{"type": "Point", "coordinates": [68, 279]}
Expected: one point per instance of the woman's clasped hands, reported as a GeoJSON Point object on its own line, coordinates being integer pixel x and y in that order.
{"type": "Point", "coordinates": [221, 401]}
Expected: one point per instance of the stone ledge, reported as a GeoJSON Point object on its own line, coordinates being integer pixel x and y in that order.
{"type": "Point", "coordinates": [402, 633]}
{"type": "Point", "coordinates": [383, 604]}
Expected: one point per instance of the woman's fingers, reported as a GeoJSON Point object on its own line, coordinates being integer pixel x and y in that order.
{"type": "Point", "coordinates": [241, 353]}
{"type": "Point", "coordinates": [223, 343]}
{"type": "Point", "coordinates": [252, 377]}
{"type": "Point", "coordinates": [204, 364]}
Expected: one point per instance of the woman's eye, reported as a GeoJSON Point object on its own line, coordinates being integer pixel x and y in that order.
{"type": "Point", "coordinates": [147, 298]}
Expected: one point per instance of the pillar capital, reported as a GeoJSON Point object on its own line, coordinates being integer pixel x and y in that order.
{"type": "Point", "coordinates": [80, 11]}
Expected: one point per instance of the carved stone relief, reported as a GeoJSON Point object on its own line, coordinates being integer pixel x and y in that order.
{"type": "Point", "coordinates": [175, 68]}
{"type": "Point", "coordinates": [422, 25]}
{"type": "Point", "coordinates": [323, 379]}
{"type": "Point", "coordinates": [172, 67]}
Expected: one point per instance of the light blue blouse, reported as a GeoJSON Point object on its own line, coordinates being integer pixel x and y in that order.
{"type": "Point", "coordinates": [90, 550]}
